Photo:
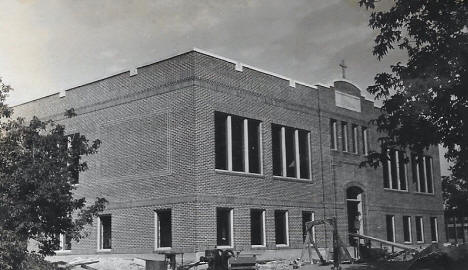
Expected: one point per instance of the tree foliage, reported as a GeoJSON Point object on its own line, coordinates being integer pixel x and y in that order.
{"type": "Point", "coordinates": [39, 164]}
{"type": "Point", "coordinates": [425, 99]}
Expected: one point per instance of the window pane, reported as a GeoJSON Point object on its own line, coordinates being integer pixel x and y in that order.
{"type": "Point", "coordinates": [406, 229]}
{"type": "Point", "coordinates": [344, 136]}
{"type": "Point", "coordinates": [280, 228]}
{"type": "Point", "coordinates": [221, 141]}
{"type": "Point", "coordinates": [237, 124]}
{"type": "Point", "coordinates": [394, 169]}
{"type": "Point", "coordinates": [106, 232]}
{"type": "Point", "coordinates": [386, 173]}
{"type": "Point", "coordinates": [390, 229]}
{"type": "Point", "coordinates": [434, 232]}
{"type": "Point", "coordinates": [429, 173]}
{"type": "Point", "coordinates": [332, 134]}
{"type": "Point", "coordinates": [401, 161]}
{"type": "Point", "coordinates": [223, 226]}
{"type": "Point", "coordinates": [419, 232]}
{"type": "Point", "coordinates": [306, 217]}
{"type": "Point", "coordinates": [254, 146]}
{"type": "Point", "coordinates": [164, 228]}
{"type": "Point", "coordinates": [364, 141]}
{"type": "Point", "coordinates": [354, 139]}
{"type": "Point", "coordinates": [422, 178]}
{"type": "Point", "coordinates": [304, 154]}
{"type": "Point", "coordinates": [276, 143]}
{"type": "Point", "coordinates": [256, 227]}
{"type": "Point", "coordinates": [290, 153]}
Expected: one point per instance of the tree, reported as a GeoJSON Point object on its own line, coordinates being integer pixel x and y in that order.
{"type": "Point", "coordinates": [425, 100]}
{"type": "Point", "coordinates": [39, 164]}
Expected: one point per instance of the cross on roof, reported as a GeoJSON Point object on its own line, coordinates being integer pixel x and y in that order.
{"type": "Point", "coordinates": [343, 69]}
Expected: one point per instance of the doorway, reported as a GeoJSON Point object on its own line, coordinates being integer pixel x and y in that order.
{"type": "Point", "coordinates": [354, 206]}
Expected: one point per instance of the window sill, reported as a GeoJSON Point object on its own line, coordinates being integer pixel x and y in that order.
{"type": "Point", "coordinates": [255, 175]}
{"type": "Point", "coordinates": [104, 250]}
{"type": "Point", "coordinates": [292, 179]}
{"type": "Point", "coordinates": [424, 193]}
{"type": "Point", "coordinates": [258, 246]}
{"type": "Point", "coordinates": [58, 252]}
{"type": "Point", "coordinates": [396, 190]}
{"type": "Point", "coordinates": [224, 247]}
{"type": "Point", "coordinates": [162, 249]}
{"type": "Point", "coordinates": [282, 245]}
{"type": "Point", "coordinates": [407, 242]}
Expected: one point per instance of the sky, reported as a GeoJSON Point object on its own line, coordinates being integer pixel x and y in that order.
{"type": "Point", "coordinates": [52, 45]}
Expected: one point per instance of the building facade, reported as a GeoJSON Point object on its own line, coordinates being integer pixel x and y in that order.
{"type": "Point", "coordinates": [200, 151]}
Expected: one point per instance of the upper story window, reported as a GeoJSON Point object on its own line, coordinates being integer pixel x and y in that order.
{"type": "Point", "coordinates": [291, 152]}
{"type": "Point", "coordinates": [394, 169]}
{"type": "Point", "coordinates": [422, 173]}
{"type": "Point", "coordinates": [365, 143]}
{"type": "Point", "coordinates": [344, 136]}
{"type": "Point", "coordinates": [354, 139]}
{"type": "Point", "coordinates": [238, 143]}
{"type": "Point", "coordinates": [333, 141]}
{"type": "Point", "coordinates": [73, 162]}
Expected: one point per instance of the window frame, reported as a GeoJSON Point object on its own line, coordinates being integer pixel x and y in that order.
{"type": "Point", "coordinates": [419, 222]}
{"type": "Point", "coordinates": [344, 137]}
{"type": "Point", "coordinates": [157, 228]}
{"type": "Point", "coordinates": [393, 227]}
{"type": "Point", "coordinates": [286, 224]}
{"type": "Point", "coordinates": [354, 139]}
{"type": "Point", "coordinates": [416, 171]}
{"type": "Point", "coordinates": [296, 149]}
{"type": "Point", "coordinates": [231, 227]}
{"type": "Point", "coordinates": [62, 245]}
{"type": "Point", "coordinates": [100, 234]}
{"type": "Point", "coordinates": [365, 140]}
{"type": "Point", "coordinates": [394, 161]}
{"type": "Point", "coordinates": [433, 221]}
{"type": "Point", "coordinates": [245, 144]}
{"type": "Point", "coordinates": [263, 219]}
{"type": "Point", "coordinates": [409, 228]}
{"type": "Point", "coordinates": [333, 135]}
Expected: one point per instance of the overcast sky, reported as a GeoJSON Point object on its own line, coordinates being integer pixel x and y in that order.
{"type": "Point", "coordinates": [52, 45]}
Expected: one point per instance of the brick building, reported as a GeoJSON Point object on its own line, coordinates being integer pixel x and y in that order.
{"type": "Point", "coordinates": [200, 151]}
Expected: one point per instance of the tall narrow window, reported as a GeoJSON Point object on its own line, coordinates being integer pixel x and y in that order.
{"type": "Point", "coordinates": [390, 222]}
{"type": "Point", "coordinates": [354, 138]}
{"type": "Point", "coordinates": [105, 232]}
{"type": "Point", "coordinates": [407, 229]}
{"type": "Point", "coordinates": [434, 230]}
{"type": "Point", "coordinates": [422, 173]}
{"type": "Point", "coordinates": [163, 228]}
{"type": "Point", "coordinates": [333, 141]}
{"type": "Point", "coordinates": [281, 228]}
{"type": "Point", "coordinates": [73, 162]}
{"type": "Point", "coordinates": [365, 146]}
{"type": "Point", "coordinates": [344, 136]}
{"type": "Point", "coordinates": [419, 230]}
{"type": "Point", "coordinates": [237, 143]}
{"type": "Point", "coordinates": [224, 227]}
{"type": "Point", "coordinates": [395, 170]}
{"type": "Point", "coordinates": [257, 227]}
{"type": "Point", "coordinates": [306, 217]}
{"type": "Point", "coordinates": [291, 152]}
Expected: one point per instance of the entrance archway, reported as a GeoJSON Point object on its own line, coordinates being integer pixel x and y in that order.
{"type": "Point", "coordinates": [354, 204]}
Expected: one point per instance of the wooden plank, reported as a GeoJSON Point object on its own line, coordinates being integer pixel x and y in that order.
{"type": "Point", "coordinates": [381, 241]}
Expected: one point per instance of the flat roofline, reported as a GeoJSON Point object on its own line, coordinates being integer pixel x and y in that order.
{"type": "Point", "coordinates": [239, 66]}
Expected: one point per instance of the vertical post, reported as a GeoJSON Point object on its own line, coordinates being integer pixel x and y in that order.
{"type": "Point", "coordinates": [246, 146]}
{"type": "Point", "coordinates": [229, 142]}
{"type": "Point", "coordinates": [336, 249]}
{"type": "Point", "coordinates": [283, 150]}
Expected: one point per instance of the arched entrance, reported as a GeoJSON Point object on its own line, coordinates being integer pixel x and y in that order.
{"type": "Point", "coordinates": [354, 204]}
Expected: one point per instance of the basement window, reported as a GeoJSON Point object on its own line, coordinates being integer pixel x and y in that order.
{"type": "Point", "coordinates": [291, 152]}
{"type": "Point", "coordinates": [419, 230]}
{"type": "Point", "coordinates": [407, 237]}
{"type": "Point", "coordinates": [333, 141]}
{"type": "Point", "coordinates": [238, 143]}
{"type": "Point", "coordinates": [257, 227]}
{"type": "Point", "coordinates": [422, 173]}
{"type": "Point", "coordinates": [105, 232]}
{"type": "Point", "coordinates": [281, 228]}
{"type": "Point", "coordinates": [224, 227]}
{"type": "Point", "coordinates": [163, 228]}
{"type": "Point", "coordinates": [306, 217]}
{"type": "Point", "coordinates": [394, 169]}
{"type": "Point", "coordinates": [344, 136]}
{"type": "Point", "coordinates": [65, 243]}
{"type": "Point", "coordinates": [390, 225]}
{"type": "Point", "coordinates": [434, 230]}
